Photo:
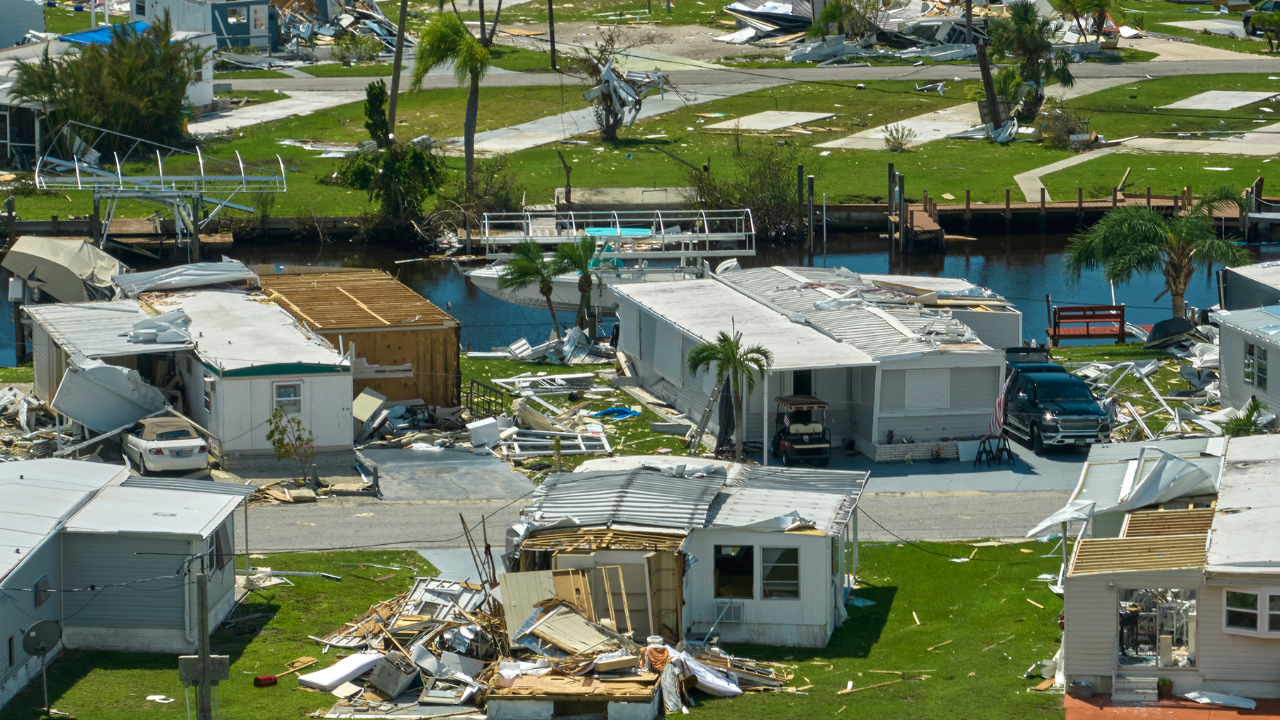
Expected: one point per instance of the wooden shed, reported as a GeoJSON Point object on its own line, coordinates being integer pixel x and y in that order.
{"type": "Point", "coordinates": [406, 347]}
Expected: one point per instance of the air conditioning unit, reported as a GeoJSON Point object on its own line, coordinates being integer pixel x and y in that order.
{"type": "Point", "coordinates": [729, 611]}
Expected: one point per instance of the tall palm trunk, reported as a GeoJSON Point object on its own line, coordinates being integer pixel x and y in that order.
{"type": "Point", "coordinates": [584, 295]}
{"type": "Point", "coordinates": [739, 432]}
{"type": "Point", "coordinates": [551, 308]}
{"type": "Point", "coordinates": [469, 135]}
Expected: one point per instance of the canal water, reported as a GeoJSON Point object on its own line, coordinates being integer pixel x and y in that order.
{"type": "Point", "coordinates": [1022, 268]}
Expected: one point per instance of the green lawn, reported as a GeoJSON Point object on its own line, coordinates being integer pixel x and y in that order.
{"type": "Point", "coordinates": [975, 614]}
{"type": "Point", "coordinates": [1164, 174]}
{"type": "Point", "coordinates": [250, 75]}
{"type": "Point", "coordinates": [113, 686]}
{"type": "Point", "coordinates": [20, 374]}
{"type": "Point", "coordinates": [505, 57]}
{"type": "Point", "coordinates": [63, 20]}
{"type": "Point", "coordinates": [1134, 108]}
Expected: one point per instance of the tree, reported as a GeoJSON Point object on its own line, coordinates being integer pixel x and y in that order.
{"type": "Point", "coordinates": [1136, 240]}
{"type": "Point", "coordinates": [375, 113]}
{"type": "Point", "coordinates": [1077, 10]}
{"type": "Point", "coordinates": [1100, 9]}
{"type": "Point", "coordinates": [741, 364]}
{"type": "Point", "coordinates": [447, 40]}
{"type": "Point", "coordinates": [290, 440]}
{"type": "Point", "coordinates": [854, 18]}
{"type": "Point", "coordinates": [136, 85]}
{"type": "Point", "coordinates": [1246, 424]}
{"type": "Point", "coordinates": [1269, 25]}
{"type": "Point", "coordinates": [608, 112]}
{"type": "Point", "coordinates": [1029, 38]}
{"type": "Point", "coordinates": [528, 267]}
{"type": "Point", "coordinates": [578, 257]}
{"type": "Point", "coordinates": [762, 179]}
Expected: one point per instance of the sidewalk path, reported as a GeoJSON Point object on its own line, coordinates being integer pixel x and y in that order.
{"type": "Point", "coordinates": [297, 103]}
{"type": "Point", "coordinates": [1031, 184]}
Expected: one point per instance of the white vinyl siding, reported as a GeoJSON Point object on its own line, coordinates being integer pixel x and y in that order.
{"type": "Point", "coordinates": [243, 405]}
{"type": "Point", "coordinates": [670, 358]}
{"type": "Point", "coordinates": [1228, 657]}
{"type": "Point", "coordinates": [972, 395]}
{"type": "Point", "coordinates": [927, 389]}
{"type": "Point", "coordinates": [95, 559]}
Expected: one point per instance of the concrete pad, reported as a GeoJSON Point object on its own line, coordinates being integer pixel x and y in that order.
{"type": "Point", "coordinates": [1218, 27]}
{"type": "Point", "coordinates": [296, 103]}
{"type": "Point", "coordinates": [1219, 100]}
{"type": "Point", "coordinates": [577, 122]}
{"type": "Point", "coordinates": [770, 120]}
{"type": "Point", "coordinates": [1205, 147]}
{"type": "Point", "coordinates": [1172, 50]}
{"type": "Point", "coordinates": [445, 475]}
{"type": "Point", "coordinates": [930, 126]}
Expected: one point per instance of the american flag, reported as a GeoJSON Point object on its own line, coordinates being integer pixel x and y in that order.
{"type": "Point", "coordinates": [786, 420]}
{"type": "Point", "coordinates": [997, 415]}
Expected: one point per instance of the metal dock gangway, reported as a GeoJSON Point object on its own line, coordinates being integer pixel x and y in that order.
{"type": "Point", "coordinates": [626, 234]}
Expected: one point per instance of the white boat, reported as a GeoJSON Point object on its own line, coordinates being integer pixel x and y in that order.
{"type": "Point", "coordinates": [682, 239]}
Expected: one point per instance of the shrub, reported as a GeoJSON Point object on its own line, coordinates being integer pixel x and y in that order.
{"type": "Point", "coordinates": [351, 47]}
{"type": "Point", "coordinates": [897, 137]}
{"type": "Point", "coordinates": [763, 180]}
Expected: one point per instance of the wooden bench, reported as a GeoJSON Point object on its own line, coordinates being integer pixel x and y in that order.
{"type": "Point", "coordinates": [1098, 321]}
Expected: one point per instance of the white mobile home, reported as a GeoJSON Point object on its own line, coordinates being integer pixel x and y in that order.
{"type": "Point", "coordinates": [111, 558]}
{"type": "Point", "coordinates": [1249, 286]}
{"type": "Point", "coordinates": [251, 357]}
{"type": "Point", "coordinates": [891, 372]}
{"type": "Point", "coordinates": [1185, 594]}
{"type": "Point", "coordinates": [1247, 341]}
{"type": "Point", "coordinates": [755, 557]}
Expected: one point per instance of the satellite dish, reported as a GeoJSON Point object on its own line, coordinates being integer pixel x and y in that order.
{"type": "Point", "coordinates": [41, 637]}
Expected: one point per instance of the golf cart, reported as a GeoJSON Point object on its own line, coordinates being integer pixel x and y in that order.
{"type": "Point", "coordinates": [801, 435]}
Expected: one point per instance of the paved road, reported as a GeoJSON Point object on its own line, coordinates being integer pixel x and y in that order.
{"type": "Point", "coordinates": [357, 523]}
{"type": "Point", "coordinates": [1257, 64]}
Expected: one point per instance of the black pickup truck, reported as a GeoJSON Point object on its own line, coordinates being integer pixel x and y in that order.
{"type": "Point", "coordinates": [1047, 406]}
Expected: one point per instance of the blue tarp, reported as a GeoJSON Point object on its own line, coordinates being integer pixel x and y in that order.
{"type": "Point", "coordinates": [101, 35]}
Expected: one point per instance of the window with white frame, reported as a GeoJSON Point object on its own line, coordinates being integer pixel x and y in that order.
{"type": "Point", "coordinates": [1253, 611]}
{"type": "Point", "coordinates": [780, 570]}
{"type": "Point", "coordinates": [1255, 365]}
{"type": "Point", "coordinates": [288, 397]}
{"type": "Point", "coordinates": [140, 8]}
{"type": "Point", "coordinates": [259, 14]}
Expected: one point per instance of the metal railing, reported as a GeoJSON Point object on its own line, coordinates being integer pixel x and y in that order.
{"type": "Point", "coordinates": [626, 234]}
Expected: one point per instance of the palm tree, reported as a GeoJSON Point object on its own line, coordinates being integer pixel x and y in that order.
{"type": "Point", "coordinates": [740, 363]}
{"type": "Point", "coordinates": [1247, 423]}
{"type": "Point", "coordinates": [577, 257]}
{"type": "Point", "coordinates": [1136, 239]}
{"type": "Point", "coordinates": [526, 267]}
{"type": "Point", "coordinates": [447, 40]}
{"type": "Point", "coordinates": [1029, 38]}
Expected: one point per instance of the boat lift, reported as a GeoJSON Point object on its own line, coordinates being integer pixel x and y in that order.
{"type": "Point", "coordinates": [183, 194]}
{"type": "Point", "coordinates": [626, 234]}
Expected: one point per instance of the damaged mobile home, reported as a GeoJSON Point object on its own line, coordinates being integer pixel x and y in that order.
{"type": "Point", "coordinates": [685, 553]}
{"type": "Point", "coordinates": [893, 356]}
{"type": "Point", "coordinates": [86, 545]}
{"type": "Point", "coordinates": [1187, 587]}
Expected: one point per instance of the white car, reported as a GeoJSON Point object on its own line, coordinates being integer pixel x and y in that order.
{"type": "Point", "coordinates": [165, 443]}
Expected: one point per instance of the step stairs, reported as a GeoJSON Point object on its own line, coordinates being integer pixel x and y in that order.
{"type": "Point", "coordinates": [1135, 690]}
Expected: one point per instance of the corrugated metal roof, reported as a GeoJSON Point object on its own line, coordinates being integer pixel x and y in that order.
{"type": "Point", "coordinates": [1100, 555]}
{"type": "Point", "coordinates": [878, 331]}
{"type": "Point", "coordinates": [828, 511]}
{"type": "Point", "coordinates": [1103, 482]}
{"type": "Point", "coordinates": [1267, 273]}
{"type": "Point", "coordinates": [235, 331]}
{"type": "Point", "coordinates": [1246, 528]}
{"type": "Point", "coordinates": [151, 511]}
{"type": "Point", "coordinates": [1263, 322]}
{"type": "Point", "coordinates": [185, 485]}
{"type": "Point", "coordinates": [803, 479]}
{"type": "Point", "coordinates": [704, 308]}
{"type": "Point", "coordinates": [36, 496]}
{"type": "Point", "coordinates": [1157, 523]}
{"type": "Point", "coordinates": [640, 497]}
{"type": "Point", "coordinates": [98, 330]}
{"type": "Point", "coordinates": [1191, 447]}
{"type": "Point", "coordinates": [184, 276]}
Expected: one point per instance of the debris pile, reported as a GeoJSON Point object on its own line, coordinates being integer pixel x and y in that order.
{"type": "Point", "coordinates": [27, 427]}
{"type": "Point", "coordinates": [449, 643]}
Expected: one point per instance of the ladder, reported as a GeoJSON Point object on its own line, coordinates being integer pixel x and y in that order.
{"type": "Point", "coordinates": [694, 441]}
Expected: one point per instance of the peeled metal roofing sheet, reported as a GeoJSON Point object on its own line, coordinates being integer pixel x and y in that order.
{"type": "Point", "coordinates": [184, 276]}
{"type": "Point", "coordinates": [1117, 452]}
{"type": "Point", "coordinates": [98, 330]}
{"type": "Point", "coordinates": [636, 497]}
{"type": "Point", "coordinates": [1102, 483]}
{"type": "Point", "coordinates": [196, 486]}
{"type": "Point", "coordinates": [803, 479]}
{"type": "Point", "coordinates": [748, 506]}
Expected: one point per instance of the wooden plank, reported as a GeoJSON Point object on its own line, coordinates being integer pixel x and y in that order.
{"type": "Point", "coordinates": [364, 307]}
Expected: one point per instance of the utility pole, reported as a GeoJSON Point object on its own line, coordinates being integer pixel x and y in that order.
{"type": "Point", "coordinates": [968, 22]}
{"type": "Point", "coordinates": [989, 87]}
{"type": "Point", "coordinates": [551, 30]}
{"type": "Point", "coordinates": [203, 670]}
{"type": "Point", "coordinates": [396, 66]}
